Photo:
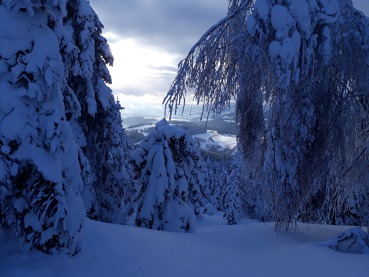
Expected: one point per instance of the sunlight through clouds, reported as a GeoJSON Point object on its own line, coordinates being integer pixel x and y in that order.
{"type": "Point", "coordinates": [147, 105]}
{"type": "Point", "coordinates": [140, 66]}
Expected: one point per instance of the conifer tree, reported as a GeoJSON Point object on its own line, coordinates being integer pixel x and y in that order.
{"type": "Point", "coordinates": [57, 118]}
{"type": "Point", "coordinates": [168, 170]}
{"type": "Point", "coordinates": [98, 128]}
{"type": "Point", "coordinates": [41, 180]}
{"type": "Point", "coordinates": [233, 203]}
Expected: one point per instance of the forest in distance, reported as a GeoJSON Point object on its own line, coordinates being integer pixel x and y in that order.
{"type": "Point", "coordinates": [292, 150]}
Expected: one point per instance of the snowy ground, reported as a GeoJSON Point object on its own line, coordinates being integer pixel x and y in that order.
{"type": "Point", "coordinates": [249, 249]}
{"type": "Point", "coordinates": [212, 138]}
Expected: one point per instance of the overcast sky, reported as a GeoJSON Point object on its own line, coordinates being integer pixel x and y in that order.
{"type": "Point", "coordinates": [148, 39]}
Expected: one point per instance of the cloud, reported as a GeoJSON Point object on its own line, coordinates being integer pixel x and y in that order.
{"type": "Point", "coordinates": [140, 69]}
{"type": "Point", "coordinates": [167, 69]}
{"type": "Point", "coordinates": [148, 38]}
{"type": "Point", "coordinates": [147, 105]}
{"type": "Point", "coordinates": [172, 25]}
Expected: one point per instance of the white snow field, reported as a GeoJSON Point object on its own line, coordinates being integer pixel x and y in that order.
{"type": "Point", "coordinates": [213, 138]}
{"type": "Point", "coordinates": [248, 249]}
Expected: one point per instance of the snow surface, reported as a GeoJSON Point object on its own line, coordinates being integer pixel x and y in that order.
{"type": "Point", "coordinates": [262, 8]}
{"type": "Point", "coordinates": [249, 249]}
{"type": "Point", "coordinates": [213, 138]}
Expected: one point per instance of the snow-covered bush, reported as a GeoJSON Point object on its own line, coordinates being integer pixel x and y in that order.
{"type": "Point", "coordinates": [168, 170]}
{"type": "Point", "coordinates": [354, 240]}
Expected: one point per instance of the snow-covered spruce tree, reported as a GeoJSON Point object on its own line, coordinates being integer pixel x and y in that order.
{"type": "Point", "coordinates": [40, 176]}
{"type": "Point", "coordinates": [213, 179]}
{"type": "Point", "coordinates": [242, 195]}
{"type": "Point", "coordinates": [233, 201]}
{"type": "Point", "coordinates": [57, 118]}
{"type": "Point", "coordinates": [97, 125]}
{"type": "Point", "coordinates": [301, 65]}
{"type": "Point", "coordinates": [218, 170]}
{"type": "Point", "coordinates": [231, 191]}
{"type": "Point", "coordinates": [169, 177]}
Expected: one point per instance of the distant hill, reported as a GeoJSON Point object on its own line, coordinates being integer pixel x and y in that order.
{"type": "Point", "coordinates": [217, 135]}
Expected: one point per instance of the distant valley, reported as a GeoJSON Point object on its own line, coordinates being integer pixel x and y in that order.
{"type": "Point", "coordinates": [215, 136]}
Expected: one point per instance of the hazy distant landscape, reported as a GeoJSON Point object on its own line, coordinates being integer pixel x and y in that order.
{"type": "Point", "coordinates": [217, 134]}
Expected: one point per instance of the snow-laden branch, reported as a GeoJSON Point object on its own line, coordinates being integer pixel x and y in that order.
{"type": "Point", "coordinates": [212, 29]}
{"type": "Point", "coordinates": [209, 68]}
